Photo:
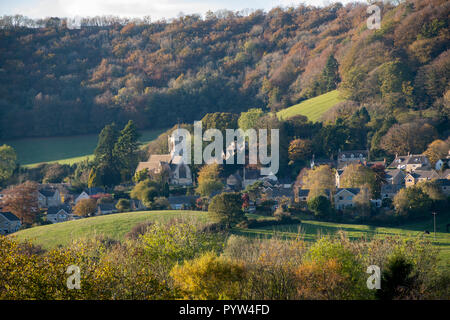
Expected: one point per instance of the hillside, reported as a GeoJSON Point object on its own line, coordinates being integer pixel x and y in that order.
{"type": "Point", "coordinates": [64, 150]}
{"type": "Point", "coordinates": [113, 226]}
{"type": "Point", "coordinates": [58, 81]}
{"type": "Point", "coordinates": [312, 108]}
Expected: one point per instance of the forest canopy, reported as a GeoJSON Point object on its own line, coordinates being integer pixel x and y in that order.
{"type": "Point", "coordinates": [56, 80]}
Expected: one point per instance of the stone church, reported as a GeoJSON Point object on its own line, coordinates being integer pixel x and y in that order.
{"type": "Point", "coordinates": [180, 172]}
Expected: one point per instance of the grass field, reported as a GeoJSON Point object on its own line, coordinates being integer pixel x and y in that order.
{"type": "Point", "coordinates": [65, 150]}
{"type": "Point", "coordinates": [312, 108]}
{"type": "Point", "coordinates": [114, 226]}
{"type": "Point", "coordinates": [117, 225]}
{"type": "Point", "coordinates": [309, 230]}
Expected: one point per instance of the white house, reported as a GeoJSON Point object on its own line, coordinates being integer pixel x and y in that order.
{"type": "Point", "coordinates": [83, 195]}
{"type": "Point", "coordinates": [9, 223]}
{"type": "Point", "coordinates": [59, 214]}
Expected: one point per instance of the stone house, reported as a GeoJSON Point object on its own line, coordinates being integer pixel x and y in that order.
{"type": "Point", "coordinates": [344, 198]}
{"type": "Point", "coordinates": [9, 223]}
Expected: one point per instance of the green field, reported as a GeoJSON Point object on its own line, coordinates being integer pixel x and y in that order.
{"type": "Point", "coordinates": [114, 226]}
{"type": "Point", "coordinates": [117, 225]}
{"type": "Point", "coordinates": [310, 230]}
{"type": "Point", "coordinates": [312, 108]}
{"type": "Point", "coordinates": [64, 150]}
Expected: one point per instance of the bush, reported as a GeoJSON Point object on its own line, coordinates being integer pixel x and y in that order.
{"type": "Point", "coordinates": [210, 277]}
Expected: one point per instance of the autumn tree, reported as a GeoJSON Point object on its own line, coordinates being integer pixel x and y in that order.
{"type": "Point", "coordinates": [410, 137]}
{"type": "Point", "coordinates": [209, 180]}
{"type": "Point", "coordinates": [356, 175]}
{"type": "Point", "coordinates": [85, 207]}
{"type": "Point", "coordinates": [437, 149]}
{"type": "Point", "coordinates": [319, 180]}
{"type": "Point", "coordinates": [300, 149]}
{"type": "Point", "coordinates": [22, 200]}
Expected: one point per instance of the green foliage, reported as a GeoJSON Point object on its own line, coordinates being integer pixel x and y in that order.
{"type": "Point", "coordinates": [209, 180]}
{"type": "Point", "coordinates": [321, 206]}
{"type": "Point", "coordinates": [412, 203]}
{"type": "Point", "coordinates": [397, 280]}
{"type": "Point", "coordinates": [123, 205]}
{"type": "Point", "coordinates": [227, 208]}
{"type": "Point", "coordinates": [8, 160]}
{"type": "Point", "coordinates": [248, 120]}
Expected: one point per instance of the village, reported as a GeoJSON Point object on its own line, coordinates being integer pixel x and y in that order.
{"type": "Point", "coordinates": [57, 202]}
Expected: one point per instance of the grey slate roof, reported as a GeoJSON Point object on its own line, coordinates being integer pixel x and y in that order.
{"type": "Point", "coordinates": [10, 216]}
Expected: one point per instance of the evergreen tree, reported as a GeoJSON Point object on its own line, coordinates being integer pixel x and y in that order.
{"type": "Point", "coordinates": [126, 150]}
{"type": "Point", "coordinates": [106, 165]}
{"type": "Point", "coordinates": [330, 75]}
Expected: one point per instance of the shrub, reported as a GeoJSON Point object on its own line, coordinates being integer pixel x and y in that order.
{"type": "Point", "coordinates": [210, 277]}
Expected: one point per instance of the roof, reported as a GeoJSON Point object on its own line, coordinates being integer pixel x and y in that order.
{"type": "Point", "coordinates": [47, 192]}
{"type": "Point", "coordinates": [417, 159]}
{"type": "Point", "coordinates": [106, 206]}
{"type": "Point", "coordinates": [353, 154]}
{"type": "Point", "coordinates": [303, 192]}
{"type": "Point", "coordinates": [409, 159]}
{"type": "Point", "coordinates": [94, 191]}
{"type": "Point", "coordinates": [281, 192]}
{"type": "Point", "coordinates": [424, 174]}
{"type": "Point", "coordinates": [10, 216]}
{"type": "Point", "coordinates": [391, 188]}
{"type": "Point", "coordinates": [252, 174]}
{"type": "Point", "coordinates": [443, 182]}
{"type": "Point", "coordinates": [445, 174]}
{"type": "Point", "coordinates": [182, 199]}
{"type": "Point", "coordinates": [392, 173]}
{"type": "Point", "coordinates": [56, 209]}
{"type": "Point", "coordinates": [355, 191]}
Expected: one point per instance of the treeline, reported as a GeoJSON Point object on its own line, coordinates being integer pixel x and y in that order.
{"type": "Point", "coordinates": [59, 80]}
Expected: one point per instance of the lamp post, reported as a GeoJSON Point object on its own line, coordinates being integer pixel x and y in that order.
{"type": "Point", "coordinates": [434, 218]}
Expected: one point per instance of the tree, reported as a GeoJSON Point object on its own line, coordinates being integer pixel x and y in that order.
{"type": "Point", "coordinates": [22, 200]}
{"type": "Point", "coordinates": [209, 180]}
{"type": "Point", "coordinates": [410, 137]}
{"type": "Point", "coordinates": [436, 150]}
{"type": "Point", "coordinates": [123, 205]}
{"type": "Point", "coordinates": [318, 180]}
{"type": "Point", "coordinates": [397, 280]}
{"type": "Point", "coordinates": [320, 205]}
{"type": "Point", "coordinates": [356, 175]}
{"type": "Point", "coordinates": [227, 208]}
{"type": "Point", "coordinates": [85, 207]}
{"type": "Point", "coordinates": [412, 203]}
{"type": "Point", "coordinates": [210, 277]}
{"type": "Point", "coordinates": [330, 76]}
{"type": "Point", "coordinates": [126, 150]}
{"type": "Point", "coordinates": [362, 202]}
{"type": "Point", "coordinates": [145, 191]}
{"type": "Point", "coordinates": [8, 160]}
{"type": "Point", "coordinates": [248, 120]}
{"type": "Point", "coordinates": [300, 150]}
{"type": "Point", "coordinates": [254, 190]}
{"type": "Point", "coordinates": [106, 163]}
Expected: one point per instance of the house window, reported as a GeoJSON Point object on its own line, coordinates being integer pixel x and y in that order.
{"type": "Point", "coordinates": [182, 174]}
{"type": "Point", "coordinates": [341, 198]}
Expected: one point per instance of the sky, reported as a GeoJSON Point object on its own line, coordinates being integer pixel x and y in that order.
{"type": "Point", "coordinates": [156, 9]}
